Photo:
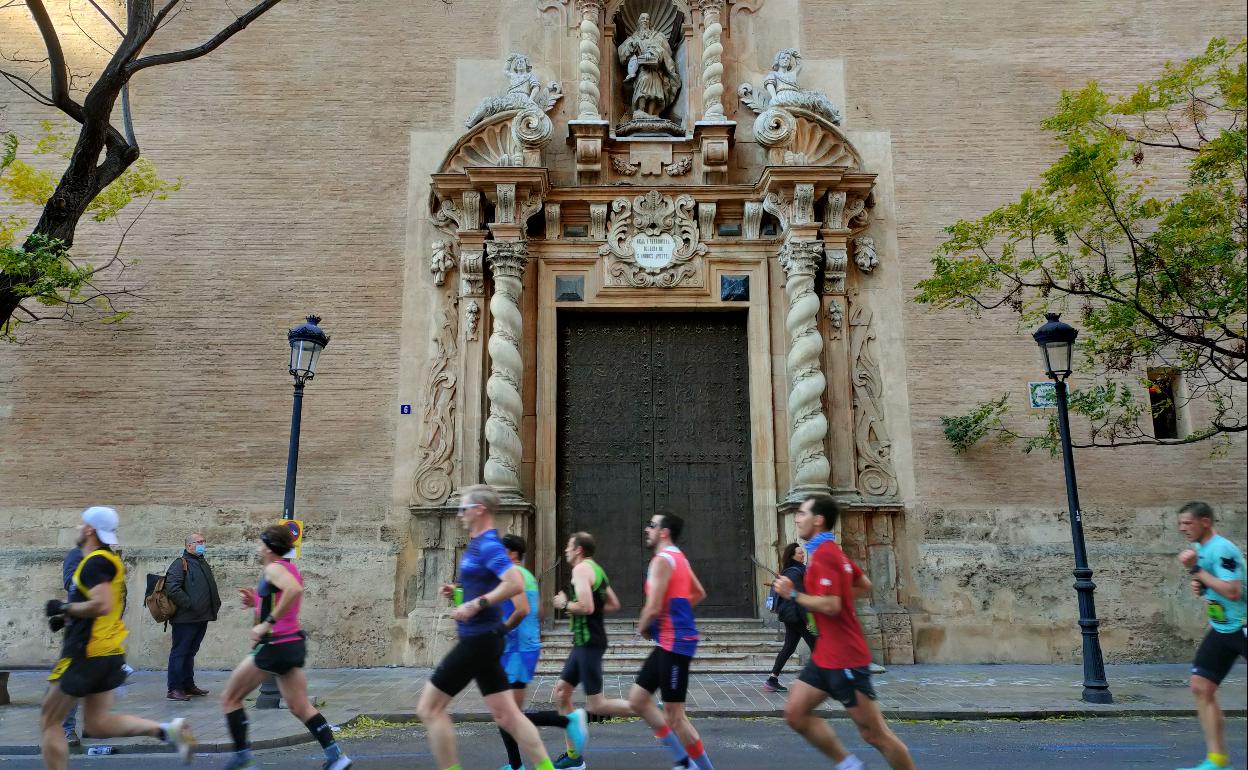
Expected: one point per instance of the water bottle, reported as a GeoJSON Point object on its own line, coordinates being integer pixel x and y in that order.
{"type": "Point", "coordinates": [96, 751]}
{"type": "Point", "coordinates": [457, 595]}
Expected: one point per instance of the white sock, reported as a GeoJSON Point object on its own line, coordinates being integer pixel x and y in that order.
{"type": "Point", "coordinates": [850, 763]}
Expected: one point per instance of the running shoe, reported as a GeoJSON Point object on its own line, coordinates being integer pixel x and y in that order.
{"type": "Point", "coordinates": [341, 763]}
{"type": "Point", "coordinates": [239, 762]}
{"type": "Point", "coordinates": [1207, 765]}
{"type": "Point", "coordinates": [578, 730]}
{"type": "Point", "coordinates": [181, 738]}
{"type": "Point", "coordinates": [568, 763]}
{"type": "Point", "coordinates": [876, 668]}
{"type": "Point", "coordinates": [773, 685]}
{"type": "Point", "coordinates": [509, 767]}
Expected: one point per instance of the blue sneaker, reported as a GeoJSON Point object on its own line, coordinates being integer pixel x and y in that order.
{"type": "Point", "coordinates": [568, 763]}
{"type": "Point", "coordinates": [1207, 765]}
{"type": "Point", "coordinates": [507, 766]}
{"type": "Point", "coordinates": [578, 730]}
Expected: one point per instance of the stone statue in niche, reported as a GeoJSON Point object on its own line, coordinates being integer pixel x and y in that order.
{"type": "Point", "coordinates": [783, 91]}
{"type": "Point", "coordinates": [652, 81]}
{"type": "Point", "coordinates": [524, 93]}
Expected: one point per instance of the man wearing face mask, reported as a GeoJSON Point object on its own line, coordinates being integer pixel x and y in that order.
{"type": "Point", "coordinates": [191, 587]}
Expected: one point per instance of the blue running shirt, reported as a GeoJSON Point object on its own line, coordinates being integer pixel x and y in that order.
{"type": "Point", "coordinates": [1220, 558]}
{"type": "Point", "coordinates": [481, 569]}
{"type": "Point", "coordinates": [526, 637]}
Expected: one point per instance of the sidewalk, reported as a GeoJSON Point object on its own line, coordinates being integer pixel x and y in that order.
{"type": "Point", "coordinates": [906, 692]}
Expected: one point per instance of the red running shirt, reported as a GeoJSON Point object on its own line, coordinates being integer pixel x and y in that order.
{"type": "Point", "coordinates": [841, 643]}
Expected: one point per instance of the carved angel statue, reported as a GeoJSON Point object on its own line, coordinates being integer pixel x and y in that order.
{"type": "Point", "coordinates": [441, 261]}
{"type": "Point", "coordinates": [864, 253]}
{"type": "Point", "coordinates": [782, 90]}
{"type": "Point", "coordinates": [652, 73]}
{"type": "Point", "coordinates": [525, 92]}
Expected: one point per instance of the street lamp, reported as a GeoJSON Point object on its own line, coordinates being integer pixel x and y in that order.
{"type": "Point", "coordinates": [1057, 345]}
{"type": "Point", "coordinates": [306, 343]}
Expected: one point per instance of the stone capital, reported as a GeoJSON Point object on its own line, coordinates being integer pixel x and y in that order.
{"type": "Point", "coordinates": [507, 259]}
{"type": "Point", "coordinates": [801, 257]}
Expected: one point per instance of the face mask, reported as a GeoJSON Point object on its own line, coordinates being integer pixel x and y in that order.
{"type": "Point", "coordinates": [199, 549]}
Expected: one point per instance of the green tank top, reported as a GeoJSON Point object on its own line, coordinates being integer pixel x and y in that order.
{"type": "Point", "coordinates": [588, 630]}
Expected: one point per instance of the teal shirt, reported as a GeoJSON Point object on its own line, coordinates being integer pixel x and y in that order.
{"type": "Point", "coordinates": [1220, 558]}
{"type": "Point", "coordinates": [527, 636]}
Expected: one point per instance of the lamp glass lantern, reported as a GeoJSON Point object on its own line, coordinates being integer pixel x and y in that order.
{"type": "Point", "coordinates": [1057, 345]}
{"type": "Point", "coordinates": [306, 343]}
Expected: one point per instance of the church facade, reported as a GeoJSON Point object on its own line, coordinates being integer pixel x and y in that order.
{"type": "Point", "coordinates": [628, 257]}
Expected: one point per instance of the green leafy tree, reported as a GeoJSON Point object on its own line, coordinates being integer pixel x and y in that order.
{"type": "Point", "coordinates": [58, 285]}
{"type": "Point", "coordinates": [1138, 231]}
{"type": "Point", "coordinates": [102, 174]}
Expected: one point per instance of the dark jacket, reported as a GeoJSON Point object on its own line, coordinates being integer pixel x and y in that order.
{"type": "Point", "coordinates": [68, 567]}
{"type": "Point", "coordinates": [193, 590]}
{"type": "Point", "coordinates": [789, 611]}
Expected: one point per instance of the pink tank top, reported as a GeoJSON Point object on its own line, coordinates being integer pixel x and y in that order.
{"type": "Point", "coordinates": [286, 629]}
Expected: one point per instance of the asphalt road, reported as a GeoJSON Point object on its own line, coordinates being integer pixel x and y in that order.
{"type": "Point", "coordinates": [766, 744]}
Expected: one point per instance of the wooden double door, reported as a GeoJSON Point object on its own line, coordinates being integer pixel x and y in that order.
{"type": "Point", "coordinates": [654, 417]}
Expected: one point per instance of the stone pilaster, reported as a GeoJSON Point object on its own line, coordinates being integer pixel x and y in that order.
{"type": "Point", "coordinates": [808, 424]}
{"type": "Point", "coordinates": [507, 261]}
{"type": "Point", "coordinates": [588, 84]}
{"type": "Point", "coordinates": [712, 66]}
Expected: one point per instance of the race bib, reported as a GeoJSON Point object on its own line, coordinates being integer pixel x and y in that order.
{"type": "Point", "coordinates": [1217, 612]}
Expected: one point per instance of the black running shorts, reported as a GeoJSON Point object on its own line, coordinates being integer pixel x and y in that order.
{"type": "Point", "coordinates": [1217, 653]}
{"type": "Point", "coordinates": [80, 677]}
{"type": "Point", "coordinates": [584, 667]}
{"type": "Point", "coordinates": [667, 672]}
{"type": "Point", "coordinates": [844, 684]}
{"type": "Point", "coordinates": [281, 658]}
{"type": "Point", "coordinates": [473, 657]}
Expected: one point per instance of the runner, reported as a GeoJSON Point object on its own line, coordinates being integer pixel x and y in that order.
{"type": "Point", "coordinates": [93, 656]}
{"type": "Point", "coordinates": [279, 650]}
{"type": "Point", "coordinates": [1219, 577]}
{"type": "Point", "coordinates": [840, 664]}
{"type": "Point", "coordinates": [587, 599]}
{"type": "Point", "coordinates": [488, 578]}
{"type": "Point", "coordinates": [672, 591]}
{"type": "Point", "coordinates": [523, 644]}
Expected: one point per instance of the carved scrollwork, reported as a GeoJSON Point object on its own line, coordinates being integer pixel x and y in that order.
{"type": "Point", "coordinates": [798, 211]}
{"type": "Point", "coordinates": [623, 167]}
{"type": "Point", "coordinates": [679, 167]}
{"type": "Point", "coordinates": [432, 480]}
{"type": "Point", "coordinates": [872, 445]}
{"type": "Point", "coordinates": [660, 217]}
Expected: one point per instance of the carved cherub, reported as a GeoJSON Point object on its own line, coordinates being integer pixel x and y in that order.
{"type": "Point", "coordinates": [781, 90]}
{"type": "Point", "coordinates": [524, 92]}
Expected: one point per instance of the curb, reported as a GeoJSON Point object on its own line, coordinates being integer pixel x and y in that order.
{"type": "Point", "coordinates": [925, 715]}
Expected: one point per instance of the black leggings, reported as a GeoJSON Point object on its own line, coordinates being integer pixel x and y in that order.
{"type": "Point", "coordinates": [793, 632]}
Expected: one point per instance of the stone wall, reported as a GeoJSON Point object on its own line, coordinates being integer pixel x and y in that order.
{"type": "Point", "coordinates": [302, 170]}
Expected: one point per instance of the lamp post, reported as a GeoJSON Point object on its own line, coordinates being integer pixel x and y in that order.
{"type": "Point", "coordinates": [1057, 344]}
{"type": "Point", "coordinates": [306, 343]}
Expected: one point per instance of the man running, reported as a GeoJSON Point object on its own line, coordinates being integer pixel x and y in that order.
{"type": "Point", "coordinates": [1219, 577]}
{"type": "Point", "coordinates": [672, 591]}
{"type": "Point", "coordinates": [523, 644]}
{"type": "Point", "coordinates": [488, 577]}
{"type": "Point", "coordinates": [840, 664]}
{"type": "Point", "coordinates": [279, 649]}
{"type": "Point", "coordinates": [93, 656]}
{"type": "Point", "coordinates": [586, 601]}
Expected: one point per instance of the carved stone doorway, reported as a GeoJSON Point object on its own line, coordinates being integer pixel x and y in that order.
{"type": "Point", "coordinates": [654, 417]}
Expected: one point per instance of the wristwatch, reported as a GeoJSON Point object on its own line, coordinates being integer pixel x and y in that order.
{"type": "Point", "coordinates": [482, 603]}
{"type": "Point", "coordinates": [272, 621]}
{"type": "Point", "coordinates": [793, 595]}
{"type": "Point", "coordinates": [1192, 570]}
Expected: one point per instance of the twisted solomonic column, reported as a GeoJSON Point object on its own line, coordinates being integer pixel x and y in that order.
{"type": "Point", "coordinates": [712, 68]}
{"type": "Point", "coordinates": [507, 260]}
{"type": "Point", "coordinates": [587, 89]}
{"type": "Point", "coordinates": [808, 425]}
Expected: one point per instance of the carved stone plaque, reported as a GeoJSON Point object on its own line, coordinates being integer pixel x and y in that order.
{"type": "Point", "coordinates": [654, 252]}
{"type": "Point", "coordinates": [653, 241]}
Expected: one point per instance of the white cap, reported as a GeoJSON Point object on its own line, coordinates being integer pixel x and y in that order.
{"type": "Point", "coordinates": [104, 521]}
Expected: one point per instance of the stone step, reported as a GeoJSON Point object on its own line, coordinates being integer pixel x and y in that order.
{"type": "Point", "coordinates": [643, 647]}
{"type": "Point", "coordinates": [715, 662]}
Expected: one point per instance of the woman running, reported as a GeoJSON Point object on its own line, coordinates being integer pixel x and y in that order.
{"type": "Point", "coordinates": [793, 616]}
{"type": "Point", "coordinates": [279, 650]}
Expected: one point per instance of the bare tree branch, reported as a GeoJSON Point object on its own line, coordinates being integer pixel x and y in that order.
{"type": "Point", "coordinates": [208, 46]}
{"type": "Point", "coordinates": [56, 60]}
